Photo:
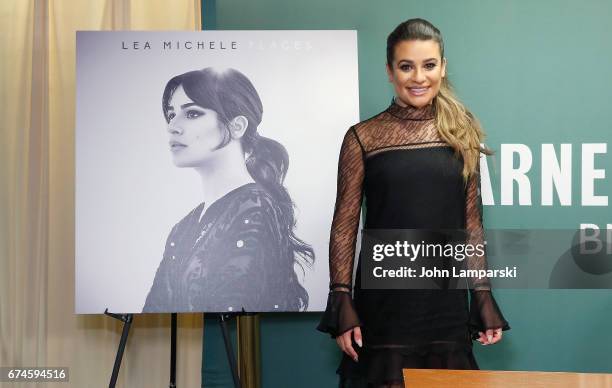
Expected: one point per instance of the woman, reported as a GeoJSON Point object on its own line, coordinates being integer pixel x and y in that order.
{"type": "Point", "coordinates": [417, 164]}
{"type": "Point", "coordinates": [235, 251]}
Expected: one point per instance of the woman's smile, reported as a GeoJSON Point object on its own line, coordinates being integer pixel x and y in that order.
{"type": "Point", "coordinates": [418, 91]}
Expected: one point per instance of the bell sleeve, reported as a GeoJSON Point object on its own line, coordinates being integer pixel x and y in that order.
{"type": "Point", "coordinates": [484, 312]}
{"type": "Point", "coordinates": [340, 314]}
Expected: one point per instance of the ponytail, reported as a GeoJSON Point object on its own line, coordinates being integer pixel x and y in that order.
{"type": "Point", "coordinates": [267, 162]}
{"type": "Point", "coordinates": [459, 128]}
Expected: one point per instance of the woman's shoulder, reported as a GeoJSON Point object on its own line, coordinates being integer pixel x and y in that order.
{"type": "Point", "coordinates": [362, 128]}
{"type": "Point", "coordinates": [193, 216]}
{"type": "Point", "coordinates": [380, 116]}
{"type": "Point", "coordinates": [253, 207]}
{"type": "Point", "coordinates": [248, 198]}
{"type": "Point", "coordinates": [251, 197]}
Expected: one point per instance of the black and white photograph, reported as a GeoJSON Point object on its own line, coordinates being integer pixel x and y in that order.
{"type": "Point", "coordinates": [206, 168]}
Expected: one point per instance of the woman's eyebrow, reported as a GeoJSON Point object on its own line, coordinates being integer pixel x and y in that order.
{"type": "Point", "coordinates": [187, 105]}
{"type": "Point", "coordinates": [425, 60]}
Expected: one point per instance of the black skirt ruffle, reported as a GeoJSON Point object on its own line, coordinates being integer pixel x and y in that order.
{"type": "Point", "coordinates": [383, 366]}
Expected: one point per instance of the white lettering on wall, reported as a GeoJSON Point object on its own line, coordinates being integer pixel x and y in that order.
{"type": "Point", "coordinates": [509, 174]}
{"type": "Point", "coordinates": [557, 175]}
{"type": "Point", "coordinates": [590, 174]}
{"type": "Point", "coordinates": [486, 188]}
{"type": "Point", "coordinates": [594, 237]}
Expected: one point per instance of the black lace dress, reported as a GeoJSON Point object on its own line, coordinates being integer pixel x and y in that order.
{"type": "Point", "coordinates": [234, 257]}
{"type": "Point", "coordinates": [410, 179]}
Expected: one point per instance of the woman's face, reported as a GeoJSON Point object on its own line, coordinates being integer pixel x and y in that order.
{"type": "Point", "coordinates": [417, 72]}
{"type": "Point", "coordinates": [194, 131]}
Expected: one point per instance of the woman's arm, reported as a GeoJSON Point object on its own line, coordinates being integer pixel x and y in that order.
{"type": "Point", "coordinates": [340, 315]}
{"type": "Point", "coordinates": [161, 292]}
{"type": "Point", "coordinates": [486, 318]}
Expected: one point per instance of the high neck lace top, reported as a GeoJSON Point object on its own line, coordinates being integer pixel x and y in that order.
{"type": "Point", "coordinates": [410, 178]}
{"type": "Point", "coordinates": [409, 112]}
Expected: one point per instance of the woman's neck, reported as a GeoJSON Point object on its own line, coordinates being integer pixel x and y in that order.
{"type": "Point", "coordinates": [401, 103]}
{"type": "Point", "coordinates": [223, 175]}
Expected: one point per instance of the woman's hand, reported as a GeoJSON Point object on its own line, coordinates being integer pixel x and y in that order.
{"type": "Point", "coordinates": [345, 343]}
{"type": "Point", "coordinates": [491, 337]}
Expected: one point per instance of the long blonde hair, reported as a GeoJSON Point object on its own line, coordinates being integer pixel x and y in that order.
{"type": "Point", "coordinates": [454, 122]}
{"type": "Point", "coordinates": [459, 128]}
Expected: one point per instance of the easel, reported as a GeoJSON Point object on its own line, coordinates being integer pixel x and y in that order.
{"type": "Point", "coordinates": [127, 322]}
{"type": "Point", "coordinates": [229, 349]}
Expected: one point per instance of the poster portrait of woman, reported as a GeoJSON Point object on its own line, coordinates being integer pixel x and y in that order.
{"type": "Point", "coordinates": [236, 250]}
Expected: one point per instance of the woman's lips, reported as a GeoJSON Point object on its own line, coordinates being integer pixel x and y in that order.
{"type": "Point", "coordinates": [418, 91]}
{"type": "Point", "coordinates": [176, 146]}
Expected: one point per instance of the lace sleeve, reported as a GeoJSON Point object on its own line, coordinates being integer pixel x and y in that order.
{"type": "Point", "coordinates": [340, 314]}
{"type": "Point", "coordinates": [484, 311]}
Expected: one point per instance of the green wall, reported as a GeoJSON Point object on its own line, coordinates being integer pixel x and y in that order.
{"type": "Point", "coordinates": [533, 72]}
